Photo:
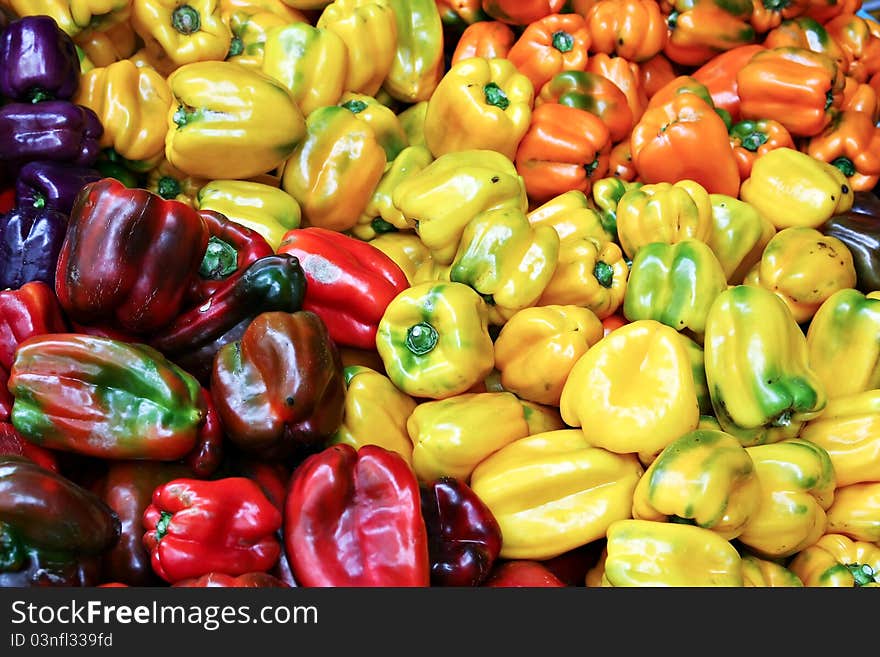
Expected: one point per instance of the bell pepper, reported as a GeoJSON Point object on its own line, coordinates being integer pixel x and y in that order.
{"type": "Point", "coordinates": [102, 47]}
{"type": "Point", "coordinates": [380, 118]}
{"type": "Point", "coordinates": [674, 284]}
{"type": "Point", "coordinates": [655, 73]}
{"type": "Point", "coordinates": [663, 212]}
{"type": "Point", "coordinates": [682, 84]}
{"type": "Point", "coordinates": [751, 139]}
{"type": "Point", "coordinates": [541, 417]}
{"type": "Point", "coordinates": [836, 560]}
{"type": "Point", "coordinates": [768, 14]}
{"type": "Point", "coordinates": [441, 199]}
{"type": "Point", "coordinates": [479, 104]}
{"type": "Point", "coordinates": [434, 340]}
{"type": "Point", "coordinates": [537, 348]}
{"type": "Point", "coordinates": [249, 27]}
{"type": "Point", "coordinates": [12, 443]}
{"type": "Point", "coordinates": [803, 267]}
{"type": "Point", "coordinates": [523, 573]}
{"type": "Point", "coordinates": [279, 388]}
{"type": "Point", "coordinates": [52, 185]}
{"type": "Point", "coordinates": [698, 31]}
{"type": "Point", "coordinates": [73, 17]}
{"type": "Point", "coordinates": [633, 29]}
{"type": "Point", "coordinates": [155, 60]}
{"type": "Point", "coordinates": [229, 122]}
{"type": "Point", "coordinates": [860, 232]}
{"type": "Point", "coordinates": [653, 554]}
{"type": "Point", "coordinates": [765, 573]}
{"type": "Point", "coordinates": [738, 236]}
{"type": "Point", "coordinates": [719, 76]}
{"type": "Point", "coordinates": [369, 30]}
{"type": "Point", "coordinates": [809, 34]}
{"type": "Point", "coordinates": [30, 241]}
{"type": "Point", "coordinates": [860, 97]}
{"type": "Point", "coordinates": [311, 63]}
{"type": "Point", "coordinates": [705, 478]}
{"type": "Point", "coordinates": [625, 76]}
{"type": "Point", "coordinates": [666, 406]}
{"type": "Point", "coordinates": [696, 354]}
{"type": "Point", "coordinates": [464, 538]}
{"type": "Point", "coordinates": [521, 12]}
{"type": "Point", "coordinates": [850, 142]}
{"type": "Point", "coordinates": [859, 39]}
{"type": "Point", "coordinates": [506, 260]}
{"type": "Point", "coordinates": [792, 188]}
{"type": "Point", "coordinates": [573, 216]}
{"type": "Point", "coordinates": [262, 208]}
{"type": "Point", "coordinates": [52, 530]}
{"type": "Point", "coordinates": [418, 63]}
{"type": "Point", "coordinates": [550, 45]}
{"type": "Point", "coordinates": [55, 130]}
{"type": "Point", "coordinates": [334, 170]}
{"type": "Point", "coordinates": [127, 489]}
{"type": "Point", "coordinates": [353, 518]}
{"type": "Point", "coordinates": [847, 431]}
{"type": "Point", "coordinates": [565, 148]}
{"type": "Point", "coordinates": [856, 512]}
{"type": "Point", "coordinates": [257, 580]}
{"type": "Point", "coordinates": [604, 199]}
{"type": "Point", "coordinates": [128, 256]}
{"type": "Point", "coordinates": [405, 249]}
{"type": "Point", "coordinates": [169, 182]}
{"type": "Point", "coordinates": [487, 39]}
{"type": "Point", "coordinates": [670, 143]}
{"type": "Point", "coordinates": [38, 60]}
{"type": "Point", "coordinates": [184, 31]}
{"type": "Point", "coordinates": [591, 92]}
{"type": "Point", "coordinates": [555, 491]}
{"type": "Point", "coordinates": [797, 87]}
{"type": "Point", "coordinates": [205, 458]}
{"type": "Point", "coordinates": [193, 527]}
{"type": "Point", "coordinates": [349, 282]}
{"type": "Point", "coordinates": [452, 436]}
{"type": "Point", "coordinates": [413, 121]}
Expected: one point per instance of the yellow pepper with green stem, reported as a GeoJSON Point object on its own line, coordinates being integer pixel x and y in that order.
{"type": "Point", "coordinates": [250, 28]}
{"type": "Point", "coordinates": [184, 31]}
{"type": "Point", "coordinates": [380, 118]}
{"type": "Point", "coordinates": [169, 182]}
{"type": "Point", "coordinates": [836, 560]}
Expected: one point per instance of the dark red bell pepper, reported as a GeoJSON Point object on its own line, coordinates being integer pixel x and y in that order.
{"type": "Point", "coordinates": [52, 531]}
{"type": "Point", "coordinates": [232, 248]}
{"type": "Point", "coordinates": [30, 310]}
{"type": "Point", "coordinates": [353, 518]}
{"type": "Point", "coordinates": [128, 257]}
{"type": "Point", "coordinates": [349, 282]}
{"type": "Point", "coordinates": [279, 390]}
{"type": "Point", "coordinates": [192, 340]}
{"type": "Point", "coordinates": [220, 580]}
{"type": "Point", "coordinates": [523, 573]}
{"type": "Point", "coordinates": [194, 527]}
{"type": "Point", "coordinates": [13, 443]}
{"type": "Point", "coordinates": [464, 538]}
{"type": "Point", "coordinates": [207, 455]}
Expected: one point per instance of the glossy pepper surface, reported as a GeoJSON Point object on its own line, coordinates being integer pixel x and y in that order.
{"type": "Point", "coordinates": [38, 60]}
{"type": "Point", "coordinates": [30, 242]}
{"type": "Point", "coordinates": [353, 518]}
{"type": "Point", "coordinates": [860, 231]}
{"type": "Point", "coordinates": [182, 32]}
{"type": "Point", "coordinates": [56, 130]}
{"type": "Point", "coordinates": [128, 257]}
{"type": "Point", "coordinates": [633, 29]}
{"type": "Point", "coordinates": [349, 282]}
{"type": "Point", "coordinates": [856, 512]}
{"type": "Point", "coordinates": [381, 118]}
{"type": "Point", "coordinates": [554, 43]}
{"type": "Point", "coordinates": [418, 63]}
{"type": "Point", "coordinates": [758, 572]}
{"type": "Point", "coordinates": [280, 388]}
{"type": "Point", "coordinates": [52, 185]}
{"type": "Point", "coordinates": [751, 139]}
{"type": "Point", "coordinates": [837, 560]}
{"type": "Point", "coordinates": [850, 142]}
{"type": "Point", "coordinates": [489, 39]}
{"type": "Point", "coordinates": [194, 527]}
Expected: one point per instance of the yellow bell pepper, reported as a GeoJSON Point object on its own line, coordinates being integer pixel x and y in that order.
{"type": "Point", "coordinates": [480, 103]}
{"type": "Point", "coordinates": [843, 341]}
{"type": "Point", "coordinates": [803, 267]}
{"type": "Point", "coordinates": [369, 30]}
{"type": "Point", "coordinates": [144, 59]}
{"type": "Point", "coordinates": [571, 216]}
{"type": "Point", "coordinates": [170, 183]}
{"type": "Point", "coordinates": [554, 491]}
{"type": "Point", "coordinates": [335, 169]}
{"type": "Point", "coordinates": [283, 8]}
{"type": "Point", "coordinates": [405, 249]}
{"type": "Point", "coordinates": [103, 47]}
{"type": "Point", "coordinates": [307, 5]}
{"type": "Point", "coordinates": [380, 118]}
{"type": "Point", "coordinates": [633, 391]}
{"type": "Point", "coordinates": [413, 121]}
{"type": "Point", "coordinates": [418, 62]}
{"type": "Point", "coordinates": [698, 369]}
{"type": "Point", "coordinates": [764, 573]}
{"type": "Point", "coordinates": [441, 199]}
{"type": "Point", "coordinates": [849, 430]}
{"type": "Point", "coordinates": [269, 211]}
{"type": "Point", "coordinates": [506, 260]}
{"type": "Point", "coordinates": [661, 554]}
{"type": "Point", "coordinates": [250, 28]}
{"type": "Point", "coordinates": [132, 104]}
{"type": "Point", "coordinates": [705, 477]}
{"type": "Point", "coordinates": [311, 63]}
{"type": "Point", "coordinates": [452, 436]}
{"type": "Point", "coordinates": [791, 188]}
{"type": "Point", "coordinates": [541, 418]}
{"type": "Point", "coordinates": [836, 560]}
{"type": "Point", "coordinates": [74, 16]}
{"type": "Point", "coordinates": [229, 121]}
{"type": "Point", "coordinates": [856, 512]}
{"type": "Point", "coordinates": [604, 199]}
{"type": "Point", "coordinates": [762, 387]}
{"type": "Point", "coordinates": [538, 346]}
{"type": "Point", "coordinates": [375, 412]}
{"type": "Point", "coordinates": [663, 212]}
{"type": "Point", "coordinates": [797, 485]}
{"type": "Point", "coordinates": [738, 236]}
{"type": "Point", "coordinates": [381, 216]}
{"type": "Point", "coordinates": [184, 31]}
{"type": "Point", "coordinates": [434, 340]}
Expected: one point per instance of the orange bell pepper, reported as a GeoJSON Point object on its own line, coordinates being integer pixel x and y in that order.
{"type": "Point", "coordinates": [487, 39]}
{"type": "Point", "coordinates": [718, 75]}
{"type": "Point", "coordinates": [861, 97]}
{"type": "Point", "coordinates": [521, 12]}
{"type": "Point", "coordinates": [851, 142]}
{"type": "Point", "coordinates": [625, 74]}
{"type": "Point", "coordinates": [654, 73]}
{"type": "Point", "coordinates": [620, 162]}
{"type": "Point", "coordinates": [698, 31]}
{"type": "Point", "coordinates": [797, 87]}
{"type": "Point", "coordinates": [685, 139]}
{"type": "Point", "coordinates": [564, 149]}
{"type": "Point", "coordinates": [767, 14]}
{"type": "Point", "coordinates": [678, 85]}
{"type": "Point", "coordinates": [859, 39]}
{"type": "Point", "coordinates": [807, 33]}
{"type": "Point", "coordinates": [824, 10]}
{"type": "Point", "coordinates": [633, 29]}
{"type": "Point", "coordinates": [555, 43]}
{"type": "Point", "coordinates": [751, 139]}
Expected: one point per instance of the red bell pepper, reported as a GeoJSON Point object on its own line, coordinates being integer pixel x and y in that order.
{"type": "Point", "coordinates": [12, 442]}
{"type": "Point", "coordinates": [221, 580]}
{"type": "Point", "coordinates": [194, 527]}
{"type": "Point", "coordinates": [205, 457]}
{"type": "Point", "coordinates": [524, 573]}
{"type": "Point", "coordinates": [353, 518]}
{"type": "Point", "coordinates": [349, 283]}
{"type": "Point", "coordinates": [719, 76]}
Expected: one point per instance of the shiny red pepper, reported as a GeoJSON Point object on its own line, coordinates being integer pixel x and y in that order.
{"type": "Point", "coordinates": [525, 573]}
{"type": "Point", "coordinates": [353, 518]}
{"type": "Point", "coordinates": [12, 442]}
{"type": "Point", "coordinates": [193, 528]}
{"type": "Point", "coordinates": [349, 283]}
{"type": "Point", "coordinates": [220, 580]}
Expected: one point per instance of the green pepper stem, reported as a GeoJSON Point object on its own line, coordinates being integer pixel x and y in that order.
{"type": "Point", "coordinates": [221, 260]}
{"type": "Point", "coordinates": [863, 574]}
{"type": "Point", "coordinates": [38, 95]}
{"type": "Point", "coordinates": [355, 106]}
{"type": "Point", "coordinates": [39, 201]}
{"type": "Point", "coordinates": [381, 226]}
{"type": "Point", "coordinates": [562, 41]}
{"type": "Point", "coordinates": [604, 273]}
{"type": "Point", "coordinates": [236, 47]}
{"type": "Point", "coordinates": [495, 96]}
{"type": "Point", "coordinates": [11, 554]}
{"type": "Point", "coordinates": [162, 525]}
{"type": "Point", "coordinates": [421, 338]}
{"type": "Point", "coordinates": [846, 166]}
{"type": "Point", "coordinates": [168, 187]}
{"type": "Point", "coordinates": [185, 20]}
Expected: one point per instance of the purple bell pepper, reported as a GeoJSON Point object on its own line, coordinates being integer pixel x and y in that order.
{"type": "Point", "coordinates": [38, 61]}
{"type": "Point", "coordinates": [30, 241]}
{"type": "Point", "coordinates": [52, 184]}
{"type": "Point", "coordinates": [55, 130]}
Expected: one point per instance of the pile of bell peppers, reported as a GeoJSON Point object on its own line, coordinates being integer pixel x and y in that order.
{"type": "Point", "coordinates": [411, 293]}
